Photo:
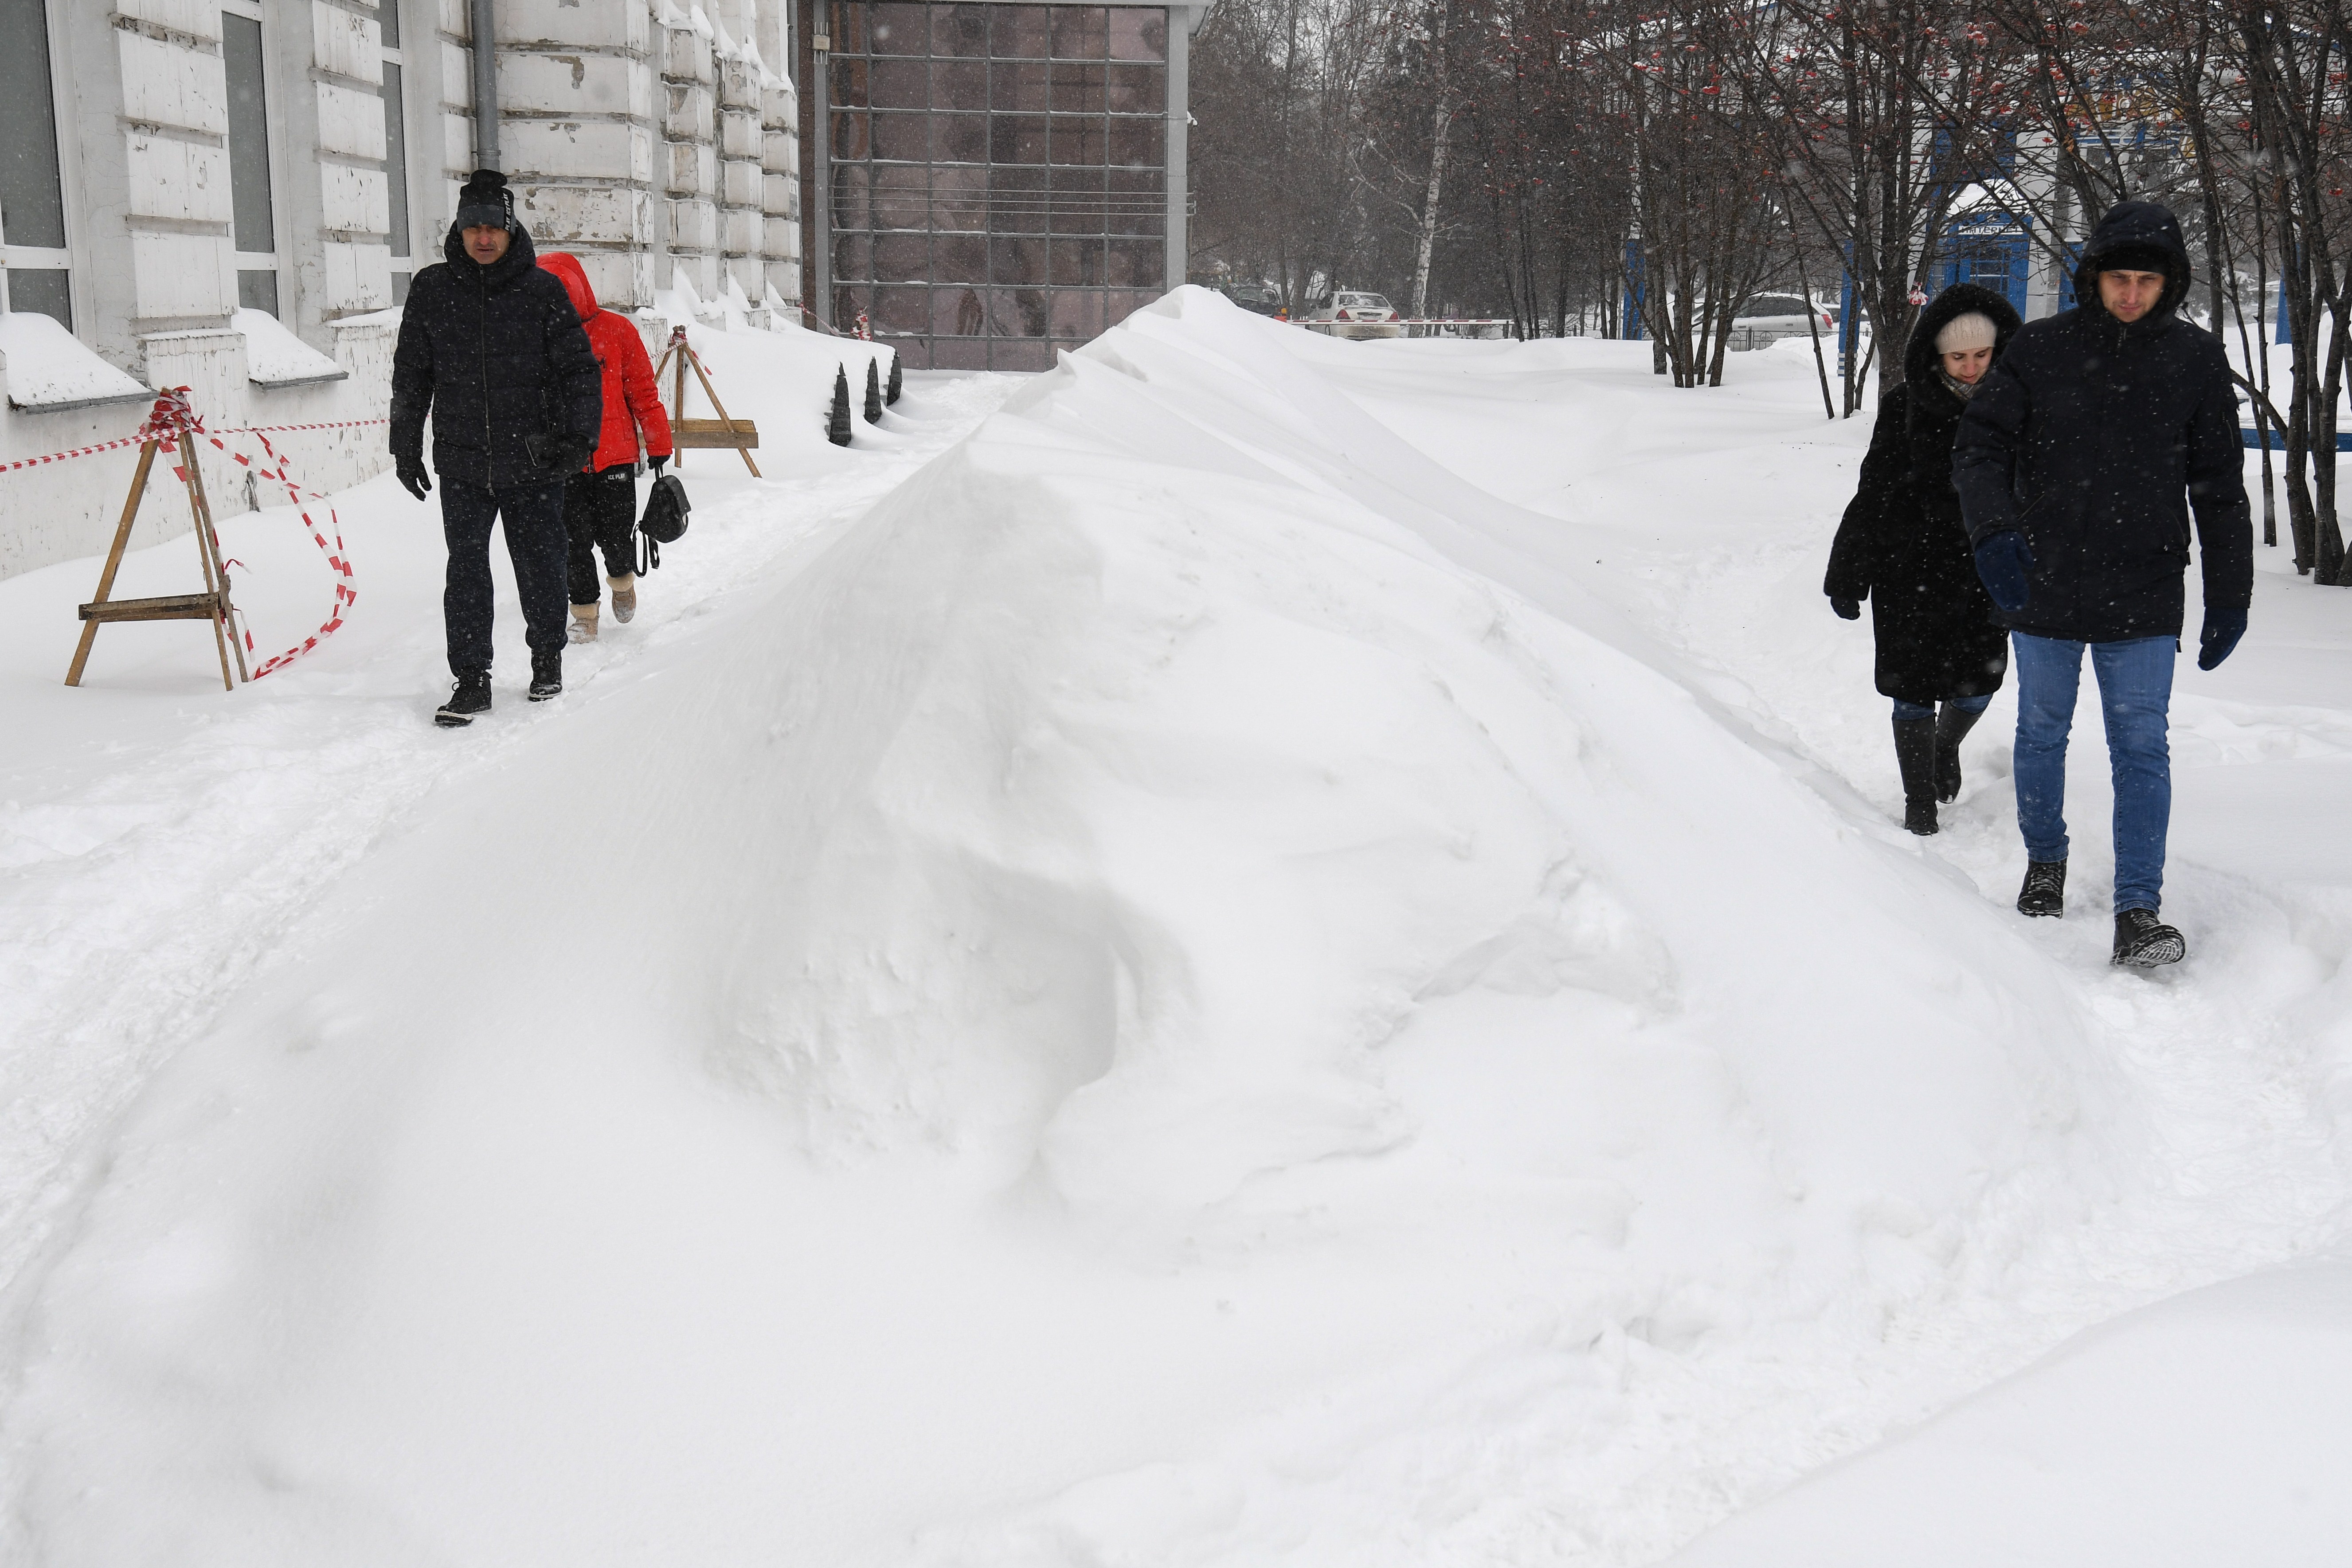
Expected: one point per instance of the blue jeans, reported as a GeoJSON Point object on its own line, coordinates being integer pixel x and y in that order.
{"type": "Point", "coordinates": [1928, 709]}
{"type": "Point", "coordinates": [2135, 695]}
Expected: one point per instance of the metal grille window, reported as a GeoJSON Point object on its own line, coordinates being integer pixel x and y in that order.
{"type": "Point", "coordinates": [32, 200]}
{"type": "Point", "coordinates": [249, 164]}
{"type": "Point", "coordinates": [999, 175]}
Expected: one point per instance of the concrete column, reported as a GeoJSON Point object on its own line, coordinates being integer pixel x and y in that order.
{"type": "Point", "coordinates": [577, 104]}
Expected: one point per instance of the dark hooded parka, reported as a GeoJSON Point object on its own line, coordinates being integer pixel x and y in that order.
{"type": "Point", "coordinates": [499, 355]}
{"type": "Point", "coordinates": [1902, 544]}
{"type": "Point", "coordinates": [2096, 438]}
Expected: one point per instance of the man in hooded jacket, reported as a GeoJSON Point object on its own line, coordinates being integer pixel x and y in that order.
{"type": "Point", "coordinates": [491, 346]}
{"type": "Point", "coordinates": [2097, 433]}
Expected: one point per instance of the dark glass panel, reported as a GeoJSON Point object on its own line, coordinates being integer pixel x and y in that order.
{"type": "Point", "coordinates": [248, 140]}
{"type": "Point", "coordinates": [387, 19]}
{"type": "Point", "coordinates": [1138, 144]}
{"type": "Point", "coordinates": [1077, 88]}
{"type": "Point", "coordinates": [396, 146]}
{"type": "Point", "coordinates": [1079, 139]}
{"type": "Point", "coordinates": [959, 31]}
{"type": "Point", "coordinates": [852, 28]}
{"type": "Point", "coordinates": [959, 138]}
{"type": "Point", "coordinates": [1018, 205]}
{"type": "Point", "coordinates": [1016, 313]}
{"type": "Point", "coordinates": [959, 84]}
{"type": "Point", "coordinates": [902, 196]}
{"type": "Point", "coordinates": [960, 354]}
{"type": "Point", "coordinates": [902, 257]}
{"type": "Point", "coordinates": [1003, 355]}
{"type": "Point", "coordinates": [1023, 85]}
{"type": "Point", "coordinates": [960, 259]}
{"type": "Point", "coordinates": [1017, 260]}
{"type": "Point", "coordinates": [1136, 89]}
{"type": "Point", "coordinates": [1138, 263]}
{"type": "Point", "coordinates": [1016, 138]}
{"type": "Point", "coordinates": [1118, 304]}
{"type": "Point", "coordinates": [959, 311]}
{"type": "Point", "coordinates": [902, 30]}
{"type": "Point", "coordinates": [47, 291]}
{"type": "Point", "coordinates": [1138, 33]}
{"type": "Point", "coordinates": [850, 79]}
{"type": "Point", "coordinates": [959, 196]}
{"type": "Point", "coordinates": [901, 311]}
{"type": "Point", "coordinates": [1078, 263]}
{"type": "Point", "coordinates": [1019, 32]}
{"type": "Point", "coordinates": [902, 84]}
{"type": "Point", "coordinates": [846, 303]}
{"type": "Point", "coordinates": [906, 137]}
{"type": "Point", "coordinates": [32, 200]}
{"type": "Point", "coordinates": [257, 289]}
{"type": "Point", "coordinates": [853, 257]}
{"type": "Point", "coordinates": [1077, 314]}
{"type": "Point", "coordinates": [853, 133]}
{"type": "Point", "coordinates": [1079, 32]}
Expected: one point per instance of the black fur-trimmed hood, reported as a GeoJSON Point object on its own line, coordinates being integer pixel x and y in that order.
{"type": "Point", "coordinates": [1919, 357]}
{"type": "Point", "coordinates": [2138, 224]}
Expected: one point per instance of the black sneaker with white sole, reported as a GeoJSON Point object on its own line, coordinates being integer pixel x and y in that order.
{"type": "Point", "coordinates": [471, 697]}
{"type": "Point", "coordinates": [2143, 942]}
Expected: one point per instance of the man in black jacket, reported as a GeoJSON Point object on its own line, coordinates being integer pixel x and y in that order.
{"type": "Point", "coordinates": [491, 345]}
{"type": "Point", "coordinates": [2095, 435]}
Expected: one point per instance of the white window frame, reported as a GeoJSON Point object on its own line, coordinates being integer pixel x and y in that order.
{"type": "Point", "coordinates": [273, 119]}
{"type": "Point", "coordinates": [45, 259]}
{"type": "Point", "coordinates": [397, 55]}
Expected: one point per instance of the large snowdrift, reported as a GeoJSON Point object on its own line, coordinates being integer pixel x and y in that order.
{"type": "Point", "coordinates": [1193, 990]}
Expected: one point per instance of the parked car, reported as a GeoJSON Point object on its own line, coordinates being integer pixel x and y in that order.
{"type": "Point", "coordinates": [1347, 315]}
{"type": "Point", "coordinates": [1258, 298]}
{"type": "Point", "coordinates": [1767, 318]}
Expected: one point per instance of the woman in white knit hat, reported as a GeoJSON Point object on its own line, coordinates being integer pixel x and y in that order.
{"type": "Point", "coordinates": [1902, 546]}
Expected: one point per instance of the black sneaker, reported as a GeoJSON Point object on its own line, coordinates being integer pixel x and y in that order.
{"type": "Point", "coordinates": [546, 679]}
{"type": "Point", "coordinates": [2143, 942]}
{"type": "Point", "coordinates": [471, 697]}
{"type": "Point", "coordinates": [2044, 892]}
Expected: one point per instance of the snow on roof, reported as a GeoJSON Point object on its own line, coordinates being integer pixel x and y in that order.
{"type": "Point", "coordinates": [274, 357]}
{"type": "Point", "coordinates": [48, 368]}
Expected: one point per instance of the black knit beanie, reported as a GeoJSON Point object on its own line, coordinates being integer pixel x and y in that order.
{"type": "Point", "coordinates": [485, 202]}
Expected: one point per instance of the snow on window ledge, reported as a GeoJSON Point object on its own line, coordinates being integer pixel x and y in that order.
{"type": "Point", "coordinates": [274, 357]}
{"type": "Point", "coordinates": [50, 370]}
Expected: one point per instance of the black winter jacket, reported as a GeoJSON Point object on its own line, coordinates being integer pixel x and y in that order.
{"type": "Point", "coordinates": [2085, 437]}
{"type": "Point", "coordinates": [1902, 544]}
{"type": "Point", "coordinates": [499, 355]}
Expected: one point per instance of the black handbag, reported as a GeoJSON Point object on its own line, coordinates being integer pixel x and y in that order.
{"type": "Point", "coordinates": [664, 522]}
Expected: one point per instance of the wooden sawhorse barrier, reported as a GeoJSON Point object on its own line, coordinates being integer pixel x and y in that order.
{"type": "Point", "coordinates": [174, 424]}
{"type": "Point", "coordinates": [720, 432]}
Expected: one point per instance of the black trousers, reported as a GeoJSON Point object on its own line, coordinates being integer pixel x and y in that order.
{"type": "Point", "coordinates": [600, 512]}
{"type": "Point", "coordinates": [534, 530]}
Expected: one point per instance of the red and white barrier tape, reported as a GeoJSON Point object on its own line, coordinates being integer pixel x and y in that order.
{"type": "Point", "coordinates": [173, 421]}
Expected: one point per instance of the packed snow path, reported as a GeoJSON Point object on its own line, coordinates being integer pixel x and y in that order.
{"type": "Point", "coordinates": [1296, 954]}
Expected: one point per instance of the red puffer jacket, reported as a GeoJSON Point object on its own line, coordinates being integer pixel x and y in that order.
{"type": "Point", "coordinates": [629, 387]}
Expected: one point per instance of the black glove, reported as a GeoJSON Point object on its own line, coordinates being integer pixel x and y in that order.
{"type": "Point", "coordinates": [659, 463]}
{"type": "Point", "coordinates": [1847, 609]}
{"type": "Point", "coordinates": [2222, 630]}
{"type": "Point", "coordinates": [2003, 561]}
{"type": "Point", "coordinates": [564, 454]}
{"type": "Point", "coordinates": [413, 478]}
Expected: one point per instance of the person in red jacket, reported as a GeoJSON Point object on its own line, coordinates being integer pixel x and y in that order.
{"type": "Point", "coordinates": [600, 502]}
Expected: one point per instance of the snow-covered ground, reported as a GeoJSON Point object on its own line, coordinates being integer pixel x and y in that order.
{"type": "Point", "coordinates": [1290, 952]}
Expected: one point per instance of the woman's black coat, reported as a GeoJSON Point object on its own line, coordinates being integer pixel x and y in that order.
{"type": "Point", "coordinates": [496, 353]}
{"type": "Point", "coordinates": [1903, 545]}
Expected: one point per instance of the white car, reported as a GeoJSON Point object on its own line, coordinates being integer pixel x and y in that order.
{"type": "Point", "coordinates": [1765, 318]}
{"type": "Point", "coordinates": [1357, 316]}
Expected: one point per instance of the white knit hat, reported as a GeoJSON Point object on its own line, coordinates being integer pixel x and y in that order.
{"type": "Point", "coordinates": [1968, 330]}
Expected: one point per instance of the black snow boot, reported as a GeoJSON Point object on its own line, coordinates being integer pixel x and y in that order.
{"type": "Point", "coordinates": [2143, 942]}
{"type": "Point", "coordinates": [546, 679]}
{"type": "Point", "coordinates": [472, 697]}
{"type": "Point", "coordinates": [1952, 727]}
{"type": "Point", "coordinates": [2044, 892]}
{"type": "Point", "coordinates": [1914, 755]}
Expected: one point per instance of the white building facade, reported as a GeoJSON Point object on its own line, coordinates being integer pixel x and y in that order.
{"type": "Point", "coordinates": [231, 195]}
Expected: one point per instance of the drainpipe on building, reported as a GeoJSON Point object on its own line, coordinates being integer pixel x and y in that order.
{"type": "Point", "coordinates": [486, 86]}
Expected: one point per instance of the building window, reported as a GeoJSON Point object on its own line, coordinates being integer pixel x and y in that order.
{"type": "Point", "coordinates": [395, 152]}
{"type": "Point", "coordinates": [32, 198]}
{"type": "Point", "coordinates": [998, 175]}
{"type": "Point", "coordinates": [249, 164]}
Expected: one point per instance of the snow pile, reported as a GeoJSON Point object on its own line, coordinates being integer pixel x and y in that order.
{"type": "Point", "coordinates": [46, 365]}
{"type": "Point", "coordinates": [1182, 993]}
{"type": "Point", "coordinates": [275, 357]}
